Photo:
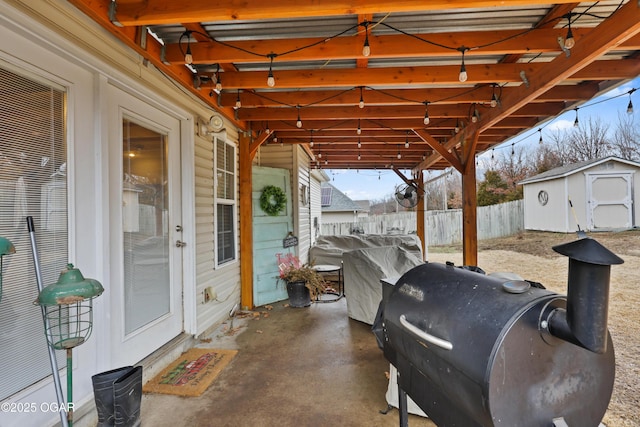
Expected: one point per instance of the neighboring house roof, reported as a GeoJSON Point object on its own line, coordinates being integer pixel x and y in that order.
{"type": "Point", "coordinates": [567, 170]}
{"type": "Point", "coordinates": [334, 200]}
{"type": "Point", "coordinates": [365, 205]}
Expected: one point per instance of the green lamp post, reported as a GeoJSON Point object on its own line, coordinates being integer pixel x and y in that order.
{"type": "Point", "coordinates": [68, 307]}
{"type": "Point", "coordinates": [6, 248]}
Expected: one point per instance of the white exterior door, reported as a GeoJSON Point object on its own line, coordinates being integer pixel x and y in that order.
{"type": "Point", "coordinates": [609, 200]}
{"type": "Point", "coordinates": [145, 228]}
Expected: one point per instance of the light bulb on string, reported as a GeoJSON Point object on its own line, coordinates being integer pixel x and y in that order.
{"type": "Point", "coordinates": [359, 143]}
{"type": "Point", "coordinates": [576, 122]}
{"type": "Point", "coordinates": [476, 116]}
{"type": "Point", "coordinates": [311, 140]}
{"type": "Point", "coordinates": [494, 97]}
{"type": "Point", "coordinates": [406, 141]}
{"type": "Point", "coordinates": [359, 130]}
{"type": "Point", "coordinates": [358, 155]}
{"type": "Point", "coordinates": [540, 131]}
{"type": "Point", "coordinates": [366, 49]}
{"type": "Point", "coordinates": [271, 81]}
{"type": "Point", "coordinates": [188, 57]}
{"type": "Point", "coordinates": [218, 79]}
{"type": "Point", "coordinates": [463, 69]}
{"type": "Point", "coordinates": [361, 103]}
{"type": "Point", "coordinates": [569, 41]}
{"type": "Point", "coordinates": [630, 105]}
{"type": "Point", "coordinates": [298, 122]}
{"type": "Point", "coordinates": [399, 155]}
{"type": "Point", "coordinates": [456, 129]}
{"type": "Point", "coordinates": [426, 119]}
{"type": "Point", "coordinates": [267, 130]}
{"type": "Point", "coordinates": [513, 151]}
{"type": "Point", "coordinates": [492, 156]}
{"type": "Point", "coordinates": [238, 103]}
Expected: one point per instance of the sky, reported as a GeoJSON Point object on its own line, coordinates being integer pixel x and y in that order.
{"type": "Point", "coordinates": [372, 185]}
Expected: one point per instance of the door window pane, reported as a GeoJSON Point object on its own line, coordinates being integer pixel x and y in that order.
{"type": "Point", "coordinates": [145, 225]}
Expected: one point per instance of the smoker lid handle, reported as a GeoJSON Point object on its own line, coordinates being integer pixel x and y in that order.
{"type": "Point", "coordinates": [425, 336]}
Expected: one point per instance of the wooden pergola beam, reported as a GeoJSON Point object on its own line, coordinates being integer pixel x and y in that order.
{"type": "Point", "coordinates": [137, 12]}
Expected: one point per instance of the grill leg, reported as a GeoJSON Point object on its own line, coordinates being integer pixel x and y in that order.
{"type": "Point", "coordinates": [402, 407]}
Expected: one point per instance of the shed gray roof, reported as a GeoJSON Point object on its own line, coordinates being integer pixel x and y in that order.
{"type": "Point", "coordinates": [567, 170]}
{"type": "Point", "coordinates": [339, 202]}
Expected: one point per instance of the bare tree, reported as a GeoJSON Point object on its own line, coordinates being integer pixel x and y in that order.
{"type": "Point", "coordinates": [590, 141]}
{"type": "Point", "coordinates": [626, 137]}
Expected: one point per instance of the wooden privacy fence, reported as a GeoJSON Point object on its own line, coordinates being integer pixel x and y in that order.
{"type": "Point", "coordinates": [443, 227]}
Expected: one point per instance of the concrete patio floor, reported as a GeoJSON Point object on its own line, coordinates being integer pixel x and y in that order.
{"type": "Point", "coordinates": [295, 367]}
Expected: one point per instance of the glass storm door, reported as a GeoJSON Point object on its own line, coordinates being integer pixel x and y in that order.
{"type": "Point", "coordinates": [149, 294]}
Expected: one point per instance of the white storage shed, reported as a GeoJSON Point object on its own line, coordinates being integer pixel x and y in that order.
{"type": "Point", "coordinates": [595, 195]}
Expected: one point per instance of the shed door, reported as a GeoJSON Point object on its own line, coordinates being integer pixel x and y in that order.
{"type": "Point", "coordinates": [268, 234]}
{"type": "Point", "coordinates": [609, 201]}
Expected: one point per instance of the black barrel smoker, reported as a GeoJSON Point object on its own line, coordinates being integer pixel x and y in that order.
{"type": "Point", "coordinates": [475, 350]}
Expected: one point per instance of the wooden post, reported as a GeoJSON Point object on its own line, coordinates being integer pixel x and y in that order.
{"type": "Point", "coordinates": [246, 224]}
{"type": "Point", "coordinates": [469, 204]}
{"type": "Point", "coordinates": [420, 214]}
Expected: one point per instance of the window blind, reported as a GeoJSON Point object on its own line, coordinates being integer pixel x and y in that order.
{"type": "Point", "coordinates": [32, 183]}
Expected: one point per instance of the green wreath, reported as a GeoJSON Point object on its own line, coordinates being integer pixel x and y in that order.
{"type": "Point", "coordinates": [272, 200]}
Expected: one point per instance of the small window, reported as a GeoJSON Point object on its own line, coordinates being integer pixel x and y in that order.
{"type": "Point", "coordinates": [225, 201]}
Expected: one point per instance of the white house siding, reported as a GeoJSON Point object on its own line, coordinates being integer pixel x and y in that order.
{"type": "Point", "coordinates": [315, 208]}
{"type": "Point", "coordinates": [225, 280]}
{"type": "Point", "coordinates": [53, 40]}
{"type": "Point", "coordinates": [302, 225]}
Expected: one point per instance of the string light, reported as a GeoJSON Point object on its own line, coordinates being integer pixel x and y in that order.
{"type": "Point", "coordinates": [359, 130]}
{"type": "Point", "coordinates": [359, 143]}
{"type": "Point", "coordinates": [426, 119]}
{"type": "Point", "coordinates": [463, 70]}
{"type": "Point", "coordinates": [238, 103]}
{"type": "Point", "coordinates": [218, 79]}
{"type": "Point", "coordinates": [513, 151]}
{"type": "Point", "coordinates": [424, 156]}
{"type": "Point", "coordinates": [457, 128]}
{"type": "Point", "coordinates": [358, 155]}
{"type": "Point", "coordinates": [298, 122]}
{"type": "Point", "coordinates": [630, 106]}
{"type": "Point", "coordinates": [271, 81]}
{"type": "Point", "coordinates": [267, 130]}
{"type": "Point", "coordinates": [366, 49]}
{"type": "Point", "coordinates": [492, 155]}
{"type": "Point", "coordinates": [569, 41]}
{"type": "Point", "coordinates": [576, 122]}
{"type": "Point", "coordinates": [188, 57]}
{"type": "Point", "coordinates": [495, 100]}
{"type": "Point", "coordinates": [540, 131]}
{"type": "Point", "coordinates": [476, 116]}
{"type": "Point", "coordinates": [311, 139]}
{"type": "Point", "coordinates": [406, 141]}
{"type": "Point", "coordinates": [399, 155]}
{"type": "Point", "coordinates": [361, 103]}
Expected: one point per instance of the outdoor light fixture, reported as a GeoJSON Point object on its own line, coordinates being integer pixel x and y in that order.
{"type": "Point", "coordinates": [359, 143]}
{"type": "Point", "coordinates": [298, 122]}
{"type": "Point", "coordinates": [366, 49]}
{"type": "Point", "coordinates": [68, 317]}
{"type": "Point", "coordinates": [188, 57]}
{"type": "Point", "coordinates": [359, 130]}
{"type": "Point", "coordinates": [569, 41]}
{"type": "Point", "coordinates": [6, 248]}
{"type": "Point", "coordinates": [540, 131]}
{"type": "Point", "coordinates": [406, 141]}
{"type": "Point", "coordinates": [238, 103]}
{"type": "Point", "coordinates": [426, 113]}
{"type": "Point", "coordinates": [630, 105]}
{"type": "Point", "coordinates": [271, 81]}
{"type": "Point", "coordinates": [311, 139]}
{"type": "Point", "coordinates": [463, 70]}
{"type": "Point", "coordinates": [218, 79]}
{"type": "Point", "coordinates": [361, 103]}
{"type": "Point", "coordinates": [576, 122]}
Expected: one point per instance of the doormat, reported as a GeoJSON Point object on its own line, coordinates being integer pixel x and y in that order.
{"type": "Point", "coordinates": [191, 373]}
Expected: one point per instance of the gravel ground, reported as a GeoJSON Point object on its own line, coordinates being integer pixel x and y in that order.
{"type": "Point", "coordinates": [529, 254]}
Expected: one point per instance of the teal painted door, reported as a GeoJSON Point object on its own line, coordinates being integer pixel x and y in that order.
{"type": "Point", "coordinates": [268, 233]}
